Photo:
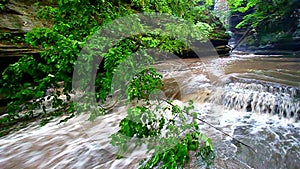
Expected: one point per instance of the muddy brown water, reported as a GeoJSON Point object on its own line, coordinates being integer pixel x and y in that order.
{"type": "Point", "coordinates": [255, 100]}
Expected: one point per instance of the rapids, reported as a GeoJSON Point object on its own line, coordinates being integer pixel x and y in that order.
{"type": "Point", "coordinates": [256, 101]}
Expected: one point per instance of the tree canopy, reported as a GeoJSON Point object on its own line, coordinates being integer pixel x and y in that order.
{"type": "Point", "coordinates": [271, 20]}
{"type": "Point", "coordinates": [70, 25]}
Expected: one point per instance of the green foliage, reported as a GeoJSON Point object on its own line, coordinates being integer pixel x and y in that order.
{"type": "Point", "coordinates": [2, 5]}
{"type": "Point", "coordinates": [136, 123]}
{"type": "Point", "coordinates": [9, 38]}
{"type": "Point", "coordinates": [142, 85]}
{"type": "Point", "coordinates": [179, 8]}
{"type": "Point", "coordinates": [145, 124]}
{"type": "Point", "coordinates": [265, 11]}
{"type": "Point", "coordinates": [178, 155]}
{"type": "Point", "coordinates": [119, 55]}
{"type": "Point", "coordinates": [271, 20]}
{"type": "Point", "coordinates": [73, 22]}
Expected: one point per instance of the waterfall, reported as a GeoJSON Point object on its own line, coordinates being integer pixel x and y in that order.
{"type": "Point", "coordinates": [253, 105]}
{"type": "Point", "coordinates": [283, 101]}
{"type": "Point", "coordinates": [222, 12]}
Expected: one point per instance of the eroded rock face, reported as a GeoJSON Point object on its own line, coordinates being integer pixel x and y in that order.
{"type": "Point", "coordinates": [283, 37]}
{"type": "Point", "coordinates": [16, 19]}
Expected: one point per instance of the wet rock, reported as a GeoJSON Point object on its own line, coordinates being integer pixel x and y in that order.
{"type": "Point", "coordinates": [283, 38]}
{"type": "Point", "coordinates": [15, 51]}
{"type": "Point", "coordinates": [221, 47]}
{"type": "Point", "coordinates": [18, 18]}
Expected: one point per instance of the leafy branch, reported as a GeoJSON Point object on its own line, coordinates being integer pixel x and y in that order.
{"type": "Point", "coordinates": [170, 131]}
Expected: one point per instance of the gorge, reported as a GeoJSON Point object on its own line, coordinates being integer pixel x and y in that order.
{"type": "Point", "coordinates": [251, 93]}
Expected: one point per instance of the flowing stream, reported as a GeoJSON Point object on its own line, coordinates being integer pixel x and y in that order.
{"type": "Point", "coordinates": [257, 101]}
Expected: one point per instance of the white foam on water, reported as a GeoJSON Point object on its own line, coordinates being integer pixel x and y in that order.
{"type": "Point", "coordinates": [80, 143]}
